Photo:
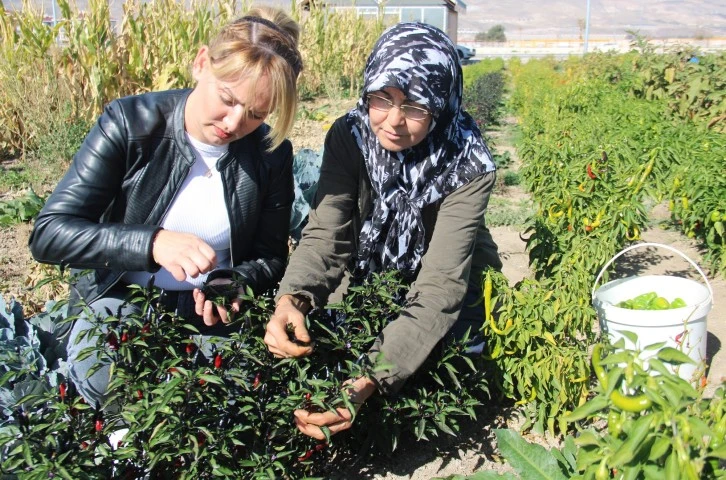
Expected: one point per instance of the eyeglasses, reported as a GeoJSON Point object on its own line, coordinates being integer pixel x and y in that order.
{"type": "Point", "coordinates": [409, 111]}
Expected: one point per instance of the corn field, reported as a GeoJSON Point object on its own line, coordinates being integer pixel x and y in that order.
{"type": "Point", "coordinates": [62, 75]}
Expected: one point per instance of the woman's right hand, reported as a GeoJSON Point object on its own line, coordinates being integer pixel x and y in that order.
{"type": "Point", "coordinates": [289, 311]}
{"type": "Point", "coordinates": [183, 254]}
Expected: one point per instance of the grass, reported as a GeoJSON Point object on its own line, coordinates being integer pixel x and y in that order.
{"type": "Point", "coordinates": [504, 211]}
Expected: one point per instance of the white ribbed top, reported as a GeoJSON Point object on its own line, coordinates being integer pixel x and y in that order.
{"type": "Point", "coordinates": [198, 208]}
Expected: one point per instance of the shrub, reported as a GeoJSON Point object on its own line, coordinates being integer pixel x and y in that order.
{"type": "Point", "coordinates": [21, 209]}
{"type": "Point", "coordinates": [229, 414]}
{"type": "Point", "coordinates": [494, 34]}
{"type": "Point", "coordinates": [473, 71]}
{"type": "Point", "coordinates": [511, 178]}
{"type": "Point", "coordinates": [484, 99]}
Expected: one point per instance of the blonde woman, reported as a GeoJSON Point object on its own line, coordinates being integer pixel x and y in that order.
{"type": "Point", "coordinates": [191, 186]}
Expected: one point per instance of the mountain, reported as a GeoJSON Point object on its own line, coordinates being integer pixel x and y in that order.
{"type": "Point", "coordinates": [565, 19]}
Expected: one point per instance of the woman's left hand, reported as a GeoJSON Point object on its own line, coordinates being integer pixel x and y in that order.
{"type": "Point", "coordinates": [212, 313]}
{"type": "Point", "coordinates": [341, 419]}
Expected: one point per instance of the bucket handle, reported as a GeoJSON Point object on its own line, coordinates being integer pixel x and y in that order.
{"type": "Point", "coordinates": [650, 244]}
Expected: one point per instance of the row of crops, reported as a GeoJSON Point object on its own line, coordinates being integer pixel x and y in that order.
{"type": "Point", "coordinates": [54, 81]}
{"type": "Point", "coordinates": [603, 140]}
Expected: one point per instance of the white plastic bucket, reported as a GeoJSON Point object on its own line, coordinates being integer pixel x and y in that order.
{"type": "Point", "coordinates": [682, 328]}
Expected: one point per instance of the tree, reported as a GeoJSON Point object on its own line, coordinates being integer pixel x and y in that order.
{"type": "Point", "coordinates": [495, 34]}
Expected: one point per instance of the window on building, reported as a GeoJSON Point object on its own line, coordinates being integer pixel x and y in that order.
{"type": "Point", "coordinates": [411, 14]}
{"type": "Point", "coordinates": [435, 17]}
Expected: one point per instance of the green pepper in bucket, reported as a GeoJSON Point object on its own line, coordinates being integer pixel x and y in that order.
{"type": "Point", "coordinates": [651, 301]}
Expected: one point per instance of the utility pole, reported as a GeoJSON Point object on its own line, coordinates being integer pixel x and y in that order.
{"type": "Point", "coordinates": [587, 26]}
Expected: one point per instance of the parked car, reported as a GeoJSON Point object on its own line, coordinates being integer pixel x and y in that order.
{"type": "Point", "coordinates": [465, 53]}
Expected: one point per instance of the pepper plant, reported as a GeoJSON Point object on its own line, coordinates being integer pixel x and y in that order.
{"type": "Point", "coordinates": [658, 425]}
{"type": "Point", "coordinates": [224, 409]}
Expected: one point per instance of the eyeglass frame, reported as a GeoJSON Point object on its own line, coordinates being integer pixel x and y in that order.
{"type": "Point", "coordinates": [405, 109]}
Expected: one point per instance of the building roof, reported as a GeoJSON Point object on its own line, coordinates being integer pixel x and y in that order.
{"type": "Point", "coordinates": [454, 5]}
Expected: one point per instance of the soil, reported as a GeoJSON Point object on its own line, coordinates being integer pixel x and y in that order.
{"type": "Point", "coordinates": [475, 448]}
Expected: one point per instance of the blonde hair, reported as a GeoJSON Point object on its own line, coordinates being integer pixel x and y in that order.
{"type": "Point", "coordinates": [263, 42]}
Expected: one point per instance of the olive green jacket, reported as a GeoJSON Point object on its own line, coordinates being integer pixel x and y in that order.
{"type": "Point", "coordinates": [458, 244]}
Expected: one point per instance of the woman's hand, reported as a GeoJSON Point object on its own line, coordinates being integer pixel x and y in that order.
{"type": "Point", "coordinates": [342, 419]}
{"type": "Point", "coordinates": [211, 312]}
{"type": "Point", "coordinates": [183, 254]}
{"type": "Point", "coordinates": [290, 310]}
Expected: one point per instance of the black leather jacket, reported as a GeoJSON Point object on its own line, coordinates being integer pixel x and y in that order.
{"type": "Point", "coordinates": [105, 211]}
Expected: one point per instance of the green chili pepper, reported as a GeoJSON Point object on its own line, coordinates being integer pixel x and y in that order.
{"type": "Point", "coordinates": [628, 403]}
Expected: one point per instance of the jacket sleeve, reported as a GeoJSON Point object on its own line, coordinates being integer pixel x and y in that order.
{"type": "Point", "coordinates": [265, 264]}
{"type": "Point", "coordinates": [316, 266]}
{"type": "Point", "coordinates": [68, 230]}
{"type": "Point", "coordinates": [436, 296]}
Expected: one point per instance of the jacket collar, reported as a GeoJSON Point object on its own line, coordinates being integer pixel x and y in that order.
{"type": "Point", "coordinates": [178, 128]}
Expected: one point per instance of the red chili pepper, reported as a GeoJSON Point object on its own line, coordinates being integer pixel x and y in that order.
{"type": "Point", "coordinates": [146, 328]}
{"type": "Point", "coordinates": [256, 381]}
{"type": "Point", "coordinates": [99, 425]}
{"type": "Point", "coordinates": [139, 394]}
{"type": "Point", "coordinates": [202, 381]}
{"type": "Point", "coordinates": [320, 446]}
{"type": "Point", "coordinates": [190, 348]}
{"type": "Point", "coordinates": [590, 172]}
{"type": "Point", "coordinates": [124, 337]}
{"type": "Point", "coordinates": [218, 361]}
{"type": "Point", "coordinates": [307, 455]}
{"type": "Point", "coordinates": [201, 438]}
{"type": "Point", "coordinates": [62, 390]}
{"type": "Point", "coordinates": [172, 370]}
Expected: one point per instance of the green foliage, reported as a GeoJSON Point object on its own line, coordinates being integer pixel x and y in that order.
{"type": "Point", "coordinates": [587, 141]}
{"type": "Point", "coordinates": [47, 85]}
{"type": "Point", "coordinates": [484, 99]}
{"type": "Point", "coordinates": [534, 343]}
{"type": "Point", "coordinates": [335, 47]}
{"type": "Point", "coordinates": [698, 197]}
{"type": "Point", "coordinates": [692, 83]}
{"type": "Point", "coordinates": [21, 209]}
{"type": "Point", "coordinates": [29, 360]}
{"type": "Point", "coordinates": [511, 178]}
{"type": "Point", "coordinates": [55, 147]}
{"type": "Point", "coordinates": [673, 433]}
{"type": "Point", "coordinates": [230, 414]}
{"type": "Point", "coordinates": [502, 211]}
{"type": "Point", "coordinates": [679, 435]}
{"type": "Point", "coordinates": [494, 34]}
{"type": "Point", "coordinates": [472, 71]}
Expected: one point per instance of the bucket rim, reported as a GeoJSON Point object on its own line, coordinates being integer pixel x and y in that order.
{"type": "Point", "coordinates": [657, 245]}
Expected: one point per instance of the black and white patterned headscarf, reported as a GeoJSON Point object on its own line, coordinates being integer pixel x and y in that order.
{"type": "Point", "coordinates": [422, 62]}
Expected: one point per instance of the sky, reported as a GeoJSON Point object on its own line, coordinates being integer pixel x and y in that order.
{"type": "Point", "coordinates": [554, 19]}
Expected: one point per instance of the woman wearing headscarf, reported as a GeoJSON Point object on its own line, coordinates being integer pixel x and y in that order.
{"type": "Point", "coordinates": [404, 184]}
